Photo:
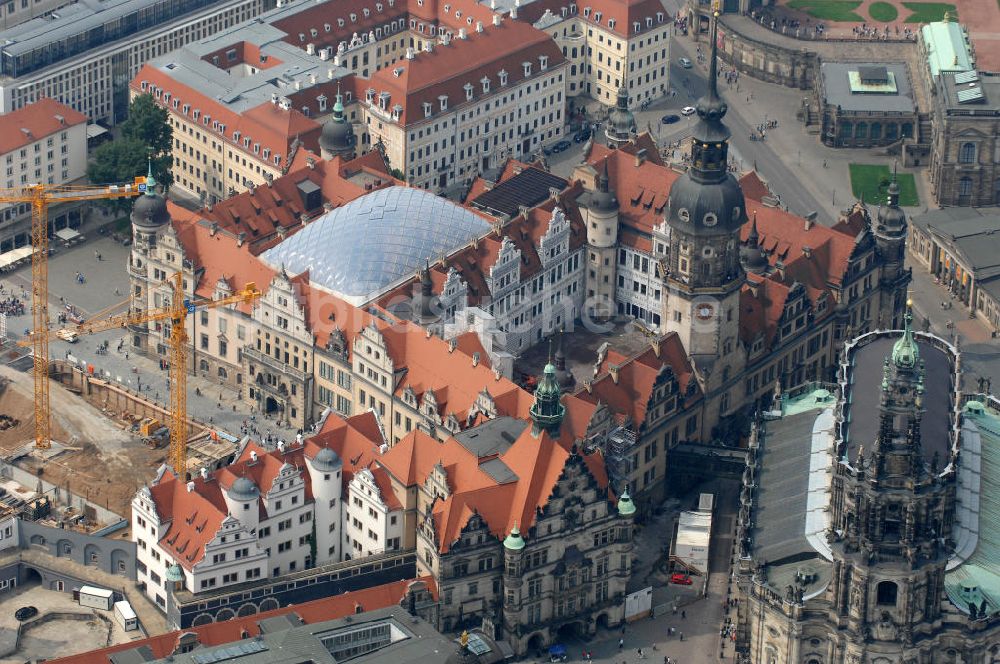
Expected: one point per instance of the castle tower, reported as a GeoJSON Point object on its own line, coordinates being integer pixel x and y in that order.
{"type": "Point", "coordinates": [337, 137]}
{"type": "Point", "coordinates": [513, 557]}
{"type": "Point", "coordinates": [327, 485]}
{"type": "Point", "coordinates": [600, 215]}
{"type": "Point", "coordinates": [548, 411]}
{"type": "Point", "coordinates": [620, 128]}
{"type": "Point", "coordinates": [704, 275]}
{"type": "Point", "coordinates": [150, 218]}
{"type": "Point", "coordinates": [890, 239]}
{"type": "Point", "coordinates": [424, 304]}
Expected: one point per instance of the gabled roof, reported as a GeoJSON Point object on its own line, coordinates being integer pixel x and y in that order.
{"type": "Point", "coordinates": [194, 517]}
{"type": "Point", "coordinates": [34, 122]}
{"type": "Point", "coordinates": [448, 68]}
{"type": "Point", "coordinates": [624, 13]}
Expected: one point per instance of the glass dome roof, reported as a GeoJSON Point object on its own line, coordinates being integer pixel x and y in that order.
{"type": "Point", "coordinates": [361, 249]}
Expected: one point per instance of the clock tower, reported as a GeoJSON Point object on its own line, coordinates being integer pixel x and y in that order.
{"type": "Point", "coordinates": [704, 275]}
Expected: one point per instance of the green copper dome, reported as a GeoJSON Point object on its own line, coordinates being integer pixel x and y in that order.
{"type": "Point", "coordinates": [514, 541]}
{"type": "Point", "coordinates": [625, 505]}
{"type": "Point", "coordinates": [175, 574]}
{"type": "Point", "coordinates": [548, 411]}
{"type": "Point", "coordinates": [904, 352]}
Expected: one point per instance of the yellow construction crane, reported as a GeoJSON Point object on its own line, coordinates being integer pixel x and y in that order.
{"type": "Point", "coordinates": [176, 312]}
{"type": "Point", "coordinates": [41, 196]}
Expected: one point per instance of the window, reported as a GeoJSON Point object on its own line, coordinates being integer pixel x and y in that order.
{"type": "Point", "coordinates": [967, 153]}
{"type": "Point", "coordinates": [965, 186]}
{"type": "Point", "coordinates": [887, 593]}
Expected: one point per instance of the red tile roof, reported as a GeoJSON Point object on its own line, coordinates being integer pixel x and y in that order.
{"type": "Point", "coordinates": [216, 634]}
{"type": "Point", "coordinates": [447, 69]}
{"type": "Point", "coordinates": [318, 17]}
{"type": "Point", "coordinates": [753, 186]}
{"type": "Point", "coordinates": [267, 124]}
{"type": "Point", "coordinates": [624, 13]}
{"type": "Point", "coordinates": [34, 122]}
{"type": "Point", "coordinates": [194, 516]}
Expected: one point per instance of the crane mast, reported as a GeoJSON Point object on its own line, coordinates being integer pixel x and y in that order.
{"type": "Point", "coordinates": [39, 196]}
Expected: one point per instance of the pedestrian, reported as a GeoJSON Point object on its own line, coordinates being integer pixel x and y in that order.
{"type": "Point", "coordinates": [682, 636]}
{"type": "Point", "coordinates": [621, 644]}
{"type": "Point", "coordinates": [639, 651]}
{"type": "Point", "coordinates": [684, 615]}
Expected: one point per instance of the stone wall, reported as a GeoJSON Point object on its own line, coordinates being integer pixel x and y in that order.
{"type": "Point", "coordinates": [113, 556]}
{"type": "Point", "coordinates": [768, 61]}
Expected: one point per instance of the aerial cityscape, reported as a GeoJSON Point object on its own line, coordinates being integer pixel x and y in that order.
{"type": "Point", "coordinates": [476, 331]}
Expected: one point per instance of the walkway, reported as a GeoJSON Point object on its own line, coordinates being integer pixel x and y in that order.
{"type": "Point", "coordinates": [153, 621]}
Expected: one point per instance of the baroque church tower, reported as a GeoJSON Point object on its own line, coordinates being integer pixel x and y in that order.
{"type": "Point", "coordinates": [704, 275]}
{"type": "Point", "coordinates": [890, 513]}
{"type": "Point", "coordinates": [890, 239]}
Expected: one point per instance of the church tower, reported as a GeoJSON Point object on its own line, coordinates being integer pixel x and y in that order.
{"type": "Point", "coordinates": [621, 122]}
{"type": "Point", "coordinates": [890, 239]}
{"type": "Point", "coordinates": [890, 514]}
{"type": "Point", "coordinates": [337, 137]}
{"type": "Point", "coordinates": [548, 410]}
{"type": "Point", "coordinates": [704, 275]}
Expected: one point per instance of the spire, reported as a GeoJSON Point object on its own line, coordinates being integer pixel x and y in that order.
{"type": "Point", "coordinates": [625, 505]}
{"type": "Point", "coordinates": [427, 315]}
{"type": "Point", "coordinates": [893, 189]}
{"type": "Point", "coordinates": [711, 105]}
{"type": "Point", "coordinates": [753, 238]}
{"type": "Point", "coordinates": [905, 353]}
{"type": "Point", "coordinates": [150, 180]}
{"type": "Point", "coordinates": [602, 178]}
{"type": "Point", "coordinates": [514, 541]}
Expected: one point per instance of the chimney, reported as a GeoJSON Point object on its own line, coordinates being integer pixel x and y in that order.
{"type": "Point", "coordinates": [190, 487]}
{"type": "Point", "coordinates": [808, 223]}
{"type": "Point", "coordinates": [204, 473]}
{"type": "Point", "coordinates": [213, 229]}
{"type": "Point", "coordinates": [311, 163]}
{"type": "Point", "coordinates": [807, 251]}
{"type": "Point", "coordinates": [496, 19]}
{"type": "Point", "coordinates": [640, 157]}
{"type": "Point", "coordinates": [613, 370]}
{"type": "Point", "coordinates": [475, 359]}
{"type": "Point", "coordinates": [311, 49]}
{"type": "Point", "coordinates": [274, 97]}
{"type": "Point", "coordinates": [409, 52]}
{"type": "Point", "coordinates": [324, 54]}
{"type": "Point", "coordinates": [312, 78]}
{"type": "Point", "coordinates": [240, 239]}
{"type": "Point", "coordinates": [479, 26]}
{"type": "Point", "coordinates": [281, 446]}
{"type": "Point", "coordinates": [462, 34]}
{"type": "Point", "coordinates": [656, 348]}
{"type": "Point", "coordinates": [253, 456]}
{"type": "Point", "coordinates": [452, 345]}
{"type": "Point", "coordinates": [331, 73]}
{"type": "Point", "coordinates": [513, 12]}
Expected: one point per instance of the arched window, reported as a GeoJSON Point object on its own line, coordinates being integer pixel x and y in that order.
{"type": "Point", "coordinates": [886, 593]}
{"type": "Point", "coordinates": [222, 373]}
{"type": "Point", "coordinates": [876, 130]}
{"type": "Point", "coordinates": [203, 365]}
{"type": "Point", "coordinates": [967, 153]}
{"type": "Point", "coordinates": [965, 186]}
{"type": "Point", "coordinates": [861, 130]}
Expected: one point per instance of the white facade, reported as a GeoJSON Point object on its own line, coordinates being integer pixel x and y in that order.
{"type": "Point", "coordinates": [639, 286]}
{"type": "Point", "coordinates": [88, 82]}
{"type": "Point", "coordinates": [526, 311]}
{"type": "Point", "coordinates": [371, 526]}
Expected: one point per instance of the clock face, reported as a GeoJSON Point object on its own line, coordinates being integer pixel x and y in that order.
{"type": "Point", "coordinates": [704, 311]}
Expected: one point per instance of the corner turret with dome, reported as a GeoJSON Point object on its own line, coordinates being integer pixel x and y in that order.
{"type": "Point", "coordinates": [621, 127]}
{"type": "Point", "coordinates": [337, 138]}
{"type": "Point", "coordinates": [149, 212]}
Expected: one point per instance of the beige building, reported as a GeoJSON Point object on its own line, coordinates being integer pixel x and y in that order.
{"type": "Point", "coordinates": [464, 105]}
{"type": "Point", "coordinates": [609, 44]}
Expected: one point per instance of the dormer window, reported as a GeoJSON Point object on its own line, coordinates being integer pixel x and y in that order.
{"type": "Point", "coordinates": [205, 119]}
{"type": "Point", "coordinates": [543, 62]}
{"type": "Point", "coordinates": [236, 136]}
{"type": "Point", "coordinates": [369, 95]}
{"type": "Point", "coordinates": [397, 112]}
{"type": "Point", "coordinates": [611, 23]}
{"type": "Point", "coordinates": [314, 32]}
{"type": "Point", "coordinates": [527, 68]}
{"type": "Point", "coordinates": [256, 148]}
{"type": "Point", "coordinates": [302, 37]}
{"type": "Point", "coordinates": [246, 141]}
{"type": "Point", "coordinates": [367, 12]}
{"type": "Point", "coordinates": [186, 108]}
{"type": "Point", "coordinates": [503, 77]}
{"type": "Point", "coordinates": [340, 22]}
{"type": "Point", "coordinates": [597, 16]}
{"type": "Point", "coordinates": [427, 109]}
{"type": "Point", "coordinates": [486, 85]}
{"type": "Point", "coordinates": [277, 160]}
{"type": "Point", "coordinates": [177, 102]}
{"type": "Point", "coordinates": [468, 91]}
{"type": "Point", "coordinates": [649, 21]}
{"type": "Point", "coordinates": [383, 101]}
{"type": "Point", "coordinates": [321, 101]}
{"type": "Point", "coordinates": [586, 12]}
{"type": "Point", "coordinates": [267, 153]}
{"type": "Point", "coordinates": [327, 27]}
{"type": "Point", "coordinates": [378, 6]}
{"type": "Point", "coordinates": [196, 114]}
{"type": "Point", "coordinates": [659, 17]}
{"type": "Point", "coordinates": [354, 17]}
{"type": "Point", "coordinates": [443, 101]}
{"type": "Point", "coordinates": [635, 26]}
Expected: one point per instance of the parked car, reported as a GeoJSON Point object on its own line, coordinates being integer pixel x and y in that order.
{"type": "Point", "coordinates": [561, 146]}
{"type": "Point", "coordinates": [582, 136]}
{"type": "Point", "coordinates": [25, 613]}
{"type": "Point", "coordinates": [670, 119]}
{"type": "Point", "coordinates": [688, 110]}
{"type": "Point", "coordinates": [684, 62]}
{"type": "Point", "coordinates": [680, 579]}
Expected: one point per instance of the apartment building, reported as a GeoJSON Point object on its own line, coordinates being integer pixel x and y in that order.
{"type": "Point", "coordinates": [57, 56]}
{"type": "Point", "coordinates": [44, 142]}
{"type": "Point", "coordinates": [464, 105]}
{"type": "Point", "coordinates": [610, 44]}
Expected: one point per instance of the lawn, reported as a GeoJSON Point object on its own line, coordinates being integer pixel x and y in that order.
{"type": "Point", "coordinates": [928, 12]}
{"type": "Point", "coordinates": [829, 10]}
{"type": "Point", "coordinates": [872, 181]}
{"type": "Point", "coordinates": [883, 12]}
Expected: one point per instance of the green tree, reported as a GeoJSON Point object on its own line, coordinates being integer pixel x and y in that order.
{"type": "Point", "coordinates": [148, 122]}
{"type": "Point", "coordinates": [120, 161]}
